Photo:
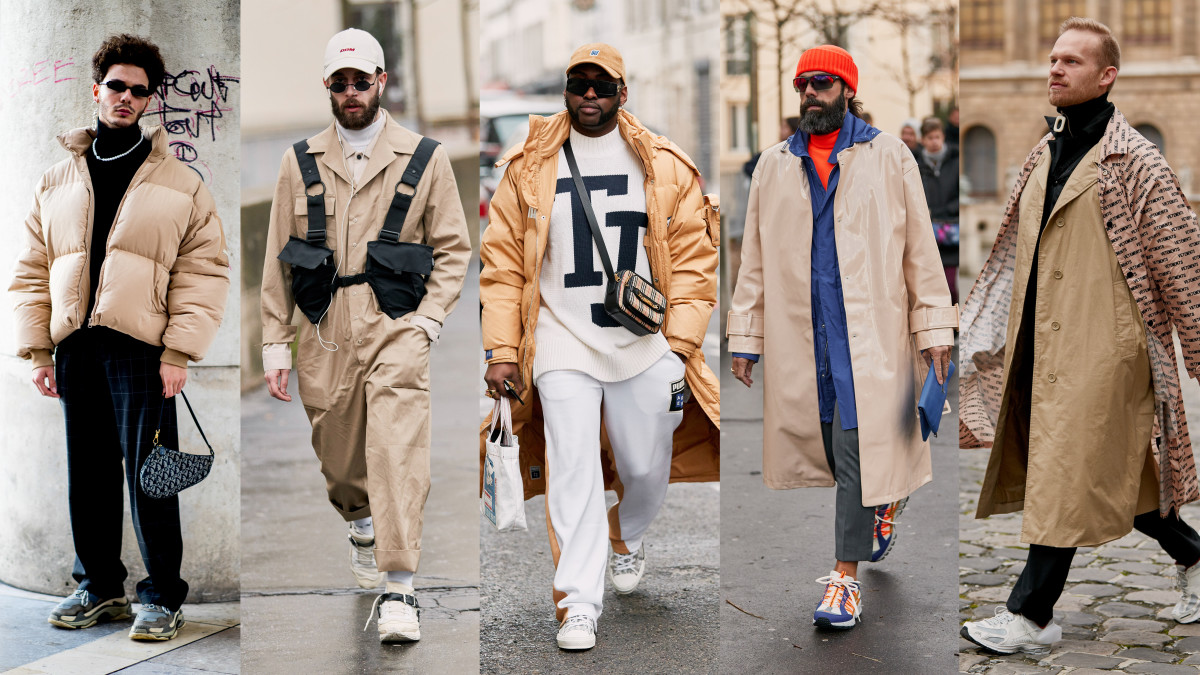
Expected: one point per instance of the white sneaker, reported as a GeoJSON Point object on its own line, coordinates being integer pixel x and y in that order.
{"type": "Point", "coordinates": [625, 570]}
{"type": "Point", "coordinates": [1187, 610]}
{"type": "Point", "coordinates": [577, 632]}
{"type": "Point", "coordinates": [1008, 633]}
{"type": "Point", "coordinates": [399, 617]}
{"type": "Point", "coordinates": [362, 559]}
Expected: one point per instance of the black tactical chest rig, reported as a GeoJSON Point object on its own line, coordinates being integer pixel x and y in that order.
{"type": "Point", "coordinates": [396, 271]}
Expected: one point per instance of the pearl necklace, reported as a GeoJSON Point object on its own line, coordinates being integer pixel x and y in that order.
{"type": "Point", "coordinates": [109, 159]}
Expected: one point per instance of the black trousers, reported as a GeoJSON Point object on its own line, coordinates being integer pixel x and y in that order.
{"type": "Point", "coordinates": [111, 395]}
{"type": "Point", "coordinates": [1041, 582]}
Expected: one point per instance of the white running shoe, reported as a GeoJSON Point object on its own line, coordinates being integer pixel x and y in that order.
{"type": "Point", "coordinates": [362, 559]}
{"type": "Point", "coordinates": [1008, 633]}
{"type": "Point", "coordinates": [1187, 610]}
{"type": "Point", "coordinates": [399, 617]}
{"type": "Point", "coordinates": [625, 570]}
{"type": "Point", "coordinates": [577, 632]}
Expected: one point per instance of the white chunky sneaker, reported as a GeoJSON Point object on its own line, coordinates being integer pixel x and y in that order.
{"type": "Point", "coordinates": [577, 632]}
{"type": "Point", "coordinates": [362, 559]}
{"type": "Point", "coordinates": [625, 570]}
{"type": "Point", "coordinates": [1008, 633]}
{"type": "Point", "coordinates": [399, 617]}
{"type": "Point", "coordinates": [1187, 610]}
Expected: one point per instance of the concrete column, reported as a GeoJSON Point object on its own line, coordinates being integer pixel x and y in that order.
{"type": "Point", "coordinates": [45, 89]}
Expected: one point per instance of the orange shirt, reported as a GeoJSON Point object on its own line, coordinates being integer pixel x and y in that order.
{"type": "Point", "coordinates": [819, 147]}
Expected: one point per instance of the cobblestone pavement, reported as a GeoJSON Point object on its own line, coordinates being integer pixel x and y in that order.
{"type": "Point", "coordinates": [1115, 611]}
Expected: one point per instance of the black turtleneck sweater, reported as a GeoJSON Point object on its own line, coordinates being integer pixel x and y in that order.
{"type": "Point", "coordinates": [1085, 127]}
{"type": "Point", "coordinates": [110, 180]}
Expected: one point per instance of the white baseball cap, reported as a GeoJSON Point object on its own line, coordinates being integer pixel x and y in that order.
{"type": "Point", "coordinates": [353, 48]}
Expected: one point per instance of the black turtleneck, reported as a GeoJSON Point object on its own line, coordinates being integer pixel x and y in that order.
{"type": "Point", "coordinates": [1085, 125]}
{"type": "Point", "coordinates": [110, 180]}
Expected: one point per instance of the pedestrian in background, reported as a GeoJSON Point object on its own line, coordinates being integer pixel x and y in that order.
{"type": "Point", "coordinates": [385, 199]}
{"type": "Point", "coordinates": [122, 282]}
{"type": "Point", "coordinates": [544, 323]}
{"type": "Point", "coordinates": [910, 133]}
{"type": "Point", "coordinates": [938, 162]}
{"type": "Point", "coordinates": [1070, 361]}
{"type": "Point", "coordinates": [859, 336]}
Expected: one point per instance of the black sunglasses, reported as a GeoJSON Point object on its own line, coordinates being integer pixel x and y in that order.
{"type": "Point", "coordinates": [118, 87]}
{"type": "Point", "coordinates": [820, 82]}
{"type": "Point", "coordinates": [360, 85]}
{"type": "Point", "coordinates": [603, 88]}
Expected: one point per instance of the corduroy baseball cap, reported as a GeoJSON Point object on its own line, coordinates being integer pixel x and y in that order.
{"type": "Point", "coordinates": [830, 59]}
{"type": "Point", "coordinates": [605, 56]}
{"type": "Point", "coordinates": [353, 48]}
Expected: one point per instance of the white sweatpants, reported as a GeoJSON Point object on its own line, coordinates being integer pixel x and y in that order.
{"type": "Point", "coordinates": [640, 426]}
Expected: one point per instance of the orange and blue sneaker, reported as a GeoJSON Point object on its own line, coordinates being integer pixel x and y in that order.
{"type": "Point", "coordinates": [884, 537]}
{"type": "Point", "coordinates": [842, 605]}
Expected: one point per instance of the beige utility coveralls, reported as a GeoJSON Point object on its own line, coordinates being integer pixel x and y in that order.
{"type": "Point", "coordinates": [364, 381]}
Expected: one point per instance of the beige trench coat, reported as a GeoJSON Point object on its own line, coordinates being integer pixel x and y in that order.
{"type": "Point", "coordinates": [897, 303]}
{"type": "Point", "coordinates": [1155, 239]}
{"type": "Point", "coordinates": [1090, 387]}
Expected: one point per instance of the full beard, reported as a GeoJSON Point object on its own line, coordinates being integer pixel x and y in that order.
{"type": "Point", "coordinates": [604, 116]}
{"type": "Point", "coordinates": [827, 119]}
{"type": "Point", "coordinates": [359, 120]}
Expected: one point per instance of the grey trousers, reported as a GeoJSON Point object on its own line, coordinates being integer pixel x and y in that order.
{"type": "Point", "coordinates": [854, 524]}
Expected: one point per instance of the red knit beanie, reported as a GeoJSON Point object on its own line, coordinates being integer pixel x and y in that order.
{"type": "Point", "coordinates": [830, 59]}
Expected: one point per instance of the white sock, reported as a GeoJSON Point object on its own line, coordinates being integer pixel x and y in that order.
{"type": "Point", "coordinates": [400, 577]}
{"type": "Point", "coordinates": [364, 526]}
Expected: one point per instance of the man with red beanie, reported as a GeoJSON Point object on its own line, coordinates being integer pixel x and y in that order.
{"type": "Point", "coordinates": [841, 286]}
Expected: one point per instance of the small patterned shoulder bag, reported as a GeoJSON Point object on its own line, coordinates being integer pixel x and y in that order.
{"type": "Point", "coordinates": [166, 472]}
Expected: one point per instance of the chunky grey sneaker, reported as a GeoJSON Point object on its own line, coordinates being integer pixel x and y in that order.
{"type": "Point", "coordinates": [362, 559]}
{"type": "Point", "coordinates": [577, 632]}
{"type": "Point", "coordinates": [155, 622]}
{"type": "Point", "coordinates": [399, 617]}
{"type": "Point", "coordinates": [1007, 633]}
{"type": "Point", "coordinates": [82, 609]}
{"type": "Point", "coordinates": [1187, 610]}
{"type": "Point", "coordinates": [625, 570]}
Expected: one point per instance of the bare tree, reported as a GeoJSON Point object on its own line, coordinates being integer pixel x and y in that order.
{"type": "Point", "coordinates": [908, 19]}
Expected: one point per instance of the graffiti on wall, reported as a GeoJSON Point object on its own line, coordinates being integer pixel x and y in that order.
{"type": "Point", "coordinates": [190, 104]}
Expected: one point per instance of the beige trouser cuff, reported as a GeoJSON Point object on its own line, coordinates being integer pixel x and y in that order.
{"type": "Point", "coordinates": [387, 560]}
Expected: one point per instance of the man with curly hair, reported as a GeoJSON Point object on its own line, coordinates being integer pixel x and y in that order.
{"type": "Point", "coordinates": [123, 281]}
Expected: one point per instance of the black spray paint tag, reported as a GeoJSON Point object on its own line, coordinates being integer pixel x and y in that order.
{"type": "Point", "coordinates": [680, 393]}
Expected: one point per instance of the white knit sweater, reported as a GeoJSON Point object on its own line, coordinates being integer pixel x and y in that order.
{"type": "Point", "coordinates": [573, 331]}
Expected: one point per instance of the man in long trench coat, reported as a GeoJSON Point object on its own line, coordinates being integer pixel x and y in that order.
{"type": "Point", "coordinates": [841, 287]}
{"type": "Point", "coordinates": [1069, 364]}
{"type": "Point", "coordinates": [365, 191]}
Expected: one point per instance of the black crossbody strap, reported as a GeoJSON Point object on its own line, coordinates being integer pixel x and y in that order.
{"type": "Point", "coordinates": [587, 209]}
{"type": "Point", "coordinates": [316, 202]}
{"type": "Point", "coordinates": [193, 414]}
{"type": "Point", "coordinates": [393, 223]}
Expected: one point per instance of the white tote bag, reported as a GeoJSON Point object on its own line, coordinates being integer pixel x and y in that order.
{"type": "Point", "coordinates": [503, 498]}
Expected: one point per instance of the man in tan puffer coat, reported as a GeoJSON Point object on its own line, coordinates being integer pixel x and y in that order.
{"type": "Point", "coordinates": [122, 282]}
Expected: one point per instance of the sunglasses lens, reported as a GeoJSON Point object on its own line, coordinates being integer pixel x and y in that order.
{"type": "Point", "coordinates": [363, 85]}
{"type": "Point", "coordinates": [819, 82]}
{"type": "Point", "coordinates": [139, 91]}
{"type": "Point", "coordinates": [603, 89]}
{"type": "Point", "coordinates": [116, 85]}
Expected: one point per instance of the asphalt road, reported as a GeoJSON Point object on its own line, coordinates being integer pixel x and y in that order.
{"type": "Point", "coordinates": [301, 609]}
{"type": "Point", "coordinates": [775, 543]}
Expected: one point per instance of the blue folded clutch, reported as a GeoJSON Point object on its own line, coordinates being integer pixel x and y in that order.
{"type": "Point", "coordinates": [933, 399]}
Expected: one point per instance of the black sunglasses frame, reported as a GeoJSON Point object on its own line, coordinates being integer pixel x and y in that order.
{"type": "Point", "coordinates": [360, 85]}
{"type": "Point", "coordinates": [820, 82]}
{"type": "Point", "coordinates": [603, 88]}
{"type": "Point", "coordinates": [137, 90]}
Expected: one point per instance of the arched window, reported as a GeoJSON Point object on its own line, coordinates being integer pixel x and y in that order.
{"type": "Point", "coordinates": [1153, 135]}
{"type": "Point", "coordinates": [979, 159]}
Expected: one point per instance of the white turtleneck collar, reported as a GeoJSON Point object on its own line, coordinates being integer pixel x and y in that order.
{"type": "Point", "coordinates": [361, 139]}
{"type": "Point", "coordinates": [597, 146]}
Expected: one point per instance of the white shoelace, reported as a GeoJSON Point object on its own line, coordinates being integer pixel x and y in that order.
{"type": "Point", "coordinates": [1002, 617]}
{"type": "Point", "coordinates": [581, 621]}
{"type": "Point", "coordinates": [625, 562]}
{"type": "Point", "coordinates": [843, 582]}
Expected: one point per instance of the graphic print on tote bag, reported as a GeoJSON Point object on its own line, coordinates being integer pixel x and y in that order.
{"type": "Point", "coordinates": [631, 223]}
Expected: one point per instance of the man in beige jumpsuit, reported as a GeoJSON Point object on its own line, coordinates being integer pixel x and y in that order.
{"type": "Point", "coordinates": [364, 375]}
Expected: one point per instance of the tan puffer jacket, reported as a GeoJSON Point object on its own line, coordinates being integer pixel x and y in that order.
{"type": "Point", "coordinates": [165, 274]}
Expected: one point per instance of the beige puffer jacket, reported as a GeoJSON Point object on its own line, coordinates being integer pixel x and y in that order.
{"type": "Point", "coordinates": [165, 274]}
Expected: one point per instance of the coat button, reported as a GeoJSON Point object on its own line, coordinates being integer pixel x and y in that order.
{"type": "Point", "coordinates": [1060, 222]}
{"type": "Point", "coordinates": [1057, 274]}
{"type": "Point", "coordinates": [1051, 377]}
{"type": "Point", "coordinates": [1055, 325]}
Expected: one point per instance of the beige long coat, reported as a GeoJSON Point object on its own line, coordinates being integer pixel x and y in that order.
{"type": "Point", "coordinates": [897, 303]}
{"type": "Point", "coordinates": [1155, 239]}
